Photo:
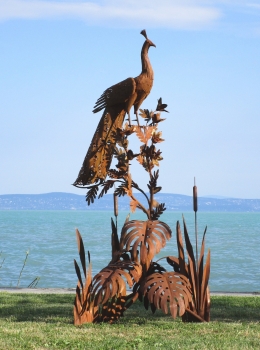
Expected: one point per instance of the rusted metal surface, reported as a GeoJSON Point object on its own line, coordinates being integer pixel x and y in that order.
{"type": "Point", "coordinates": [145, 239]}
{"type": "Point", "coordinates": [182, 292]}
{"type": "Point", "coordinates": [198, 275]}
{"type": "Point", "coordinates": [103, 298]}
{"type": "Point", "coordinates": [116, 101]}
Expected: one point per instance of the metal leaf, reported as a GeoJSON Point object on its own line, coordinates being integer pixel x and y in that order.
{"type": "Point", "coordinates": [158, 211]}
{"type": "Point", "coordinates": [188, 244]}
{"type": "Point", "coordinates": [77, 269]}
{"type": "Point", "coordinates": [133, 205]}
{"type": "Point", "coordinates": [114, 241]}
{"type": "Point", "coordinates": [205, 280]}
{"type": "Point", "coordinates": [92, 194]}
{"type": "Point", "coordinates": [114, 308]}
{"type": "Point", "coordinates": [151, 235]}
{"type": "Point", "coordinates": [145, 135]}
{"type": "Point", "coordinates": [199, 308]}
{"type": "Point", "coordinates": [201, 258]}
{"type": "Point", "coordinates": [110, 281]}
{"type": "Point", "coordinates": [84, 309]}
{"type": "Point", "coordinates": [161, 106]}
{"type": "Point", "coordinates": [181, 255]}
{"type": "Point", "coordinates": [167, 290]}
{"type": "Point", "coordinates": [81, 251]}
{"type": "Point", "coordinates": [106, 186]}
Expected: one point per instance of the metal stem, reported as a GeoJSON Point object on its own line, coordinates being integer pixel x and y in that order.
{"type": "Point", "coordinates": [195, 208]}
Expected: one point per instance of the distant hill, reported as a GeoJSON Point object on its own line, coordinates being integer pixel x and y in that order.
{"type": "Point", "coordinates": [174, 202]}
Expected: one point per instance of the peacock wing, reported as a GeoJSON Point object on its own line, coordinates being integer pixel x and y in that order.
{"type": "Point", "coordinates": [117, 94]}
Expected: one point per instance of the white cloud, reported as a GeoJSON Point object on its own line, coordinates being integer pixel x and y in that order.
{"type": "Point", "coordinates": [257, 6]}
{"type": "Point", "coordinates": [144, 13]}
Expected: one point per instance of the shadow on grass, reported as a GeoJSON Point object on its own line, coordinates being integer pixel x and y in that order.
{"type": "Point", "coordinates": [53, 308]}
{"type": "Point", "coordinates": [235, 309]}
{"type": "Point", "coordinates": [49, 308]}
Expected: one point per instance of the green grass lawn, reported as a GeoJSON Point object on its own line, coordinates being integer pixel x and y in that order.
{"type": "Point", "coordinates": [45, 321]}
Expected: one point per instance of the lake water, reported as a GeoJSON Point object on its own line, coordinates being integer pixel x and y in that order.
{"type": "Point", "coordinates": [233, 238]}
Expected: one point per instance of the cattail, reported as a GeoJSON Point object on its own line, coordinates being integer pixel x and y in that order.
{"type": "Point", "coordinates": [115, 205]}
{"type": "Point", "coordinates": [195, 197]}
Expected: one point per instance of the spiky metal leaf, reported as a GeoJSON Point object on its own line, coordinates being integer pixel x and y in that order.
{"type": "Point", "coordinates": [92, 193]}
{"type": "Point", "coordinates": [121, 190]}
{"type": "Point", "coordinates": [199, 307]}
{"type": "Point", "coordinates": [81, 250]}
{"type": "Point", "coordinates": [144, 113]}
{"type": "Point", "coordinates": [144, 134]}
{"type": "Point", "coordinates": [158, 211]}
{"type": "Point", "coordinates": [204, 272]}
{"type": "Point", "coordinates": [142, 161]}
{"type": "Point", "coordinates": [83, 306]}
{"type": "Point", "coordinates": [153, 181]}
{"type": "Point", "coordinates": [106, 187]}
{"type": "Point", "coordinates": [115, 174]}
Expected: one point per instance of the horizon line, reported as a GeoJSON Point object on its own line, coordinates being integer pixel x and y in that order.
{"type": "Point", "coordinates": [219, 197]}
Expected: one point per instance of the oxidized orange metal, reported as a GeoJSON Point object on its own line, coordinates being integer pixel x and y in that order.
{"type": "Point", "coordinates": [104, 298]}
{"type": "Point", "coordinates": [116, 101]}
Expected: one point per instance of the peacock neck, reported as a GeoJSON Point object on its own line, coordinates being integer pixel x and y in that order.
{"type": "Point", "coordinates": [146, 65]}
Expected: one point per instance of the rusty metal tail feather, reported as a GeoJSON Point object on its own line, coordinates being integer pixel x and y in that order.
{"type": "Point", "coordinates": [100, 152]}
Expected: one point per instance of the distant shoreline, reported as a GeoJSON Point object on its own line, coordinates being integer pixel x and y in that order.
{"type": "Point", "coordinates": [174, 202]}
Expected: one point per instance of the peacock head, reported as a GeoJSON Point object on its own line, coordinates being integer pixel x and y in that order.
{"type": "Point", "coordinates": [143, 32]}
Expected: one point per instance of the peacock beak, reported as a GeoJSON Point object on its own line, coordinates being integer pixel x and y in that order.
{"type": "Point", "coordinates": [151, 43]}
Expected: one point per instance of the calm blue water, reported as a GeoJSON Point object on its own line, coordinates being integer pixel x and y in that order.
{"type": "Point", "coordinates": [233, 238]}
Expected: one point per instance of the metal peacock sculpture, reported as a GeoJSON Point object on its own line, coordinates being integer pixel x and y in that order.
{"type": "Point", "coordinates": [116, 101]}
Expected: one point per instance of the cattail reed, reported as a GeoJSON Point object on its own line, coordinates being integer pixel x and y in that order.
{"type": "Point", "coordinates": [195, 197]}
{"type": "Point", "coordinates": [195, 208]}
{"type": "Point", "coordinates": [115, 205]}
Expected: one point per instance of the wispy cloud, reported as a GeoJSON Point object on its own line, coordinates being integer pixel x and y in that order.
{"type": "Point", "coordinates": [257, 6]}
{"type": "Point", "coordinates": [148, 13]}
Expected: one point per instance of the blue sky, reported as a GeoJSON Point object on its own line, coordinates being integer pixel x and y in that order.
{"type": "Point", "coordinates": [57, 57]}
